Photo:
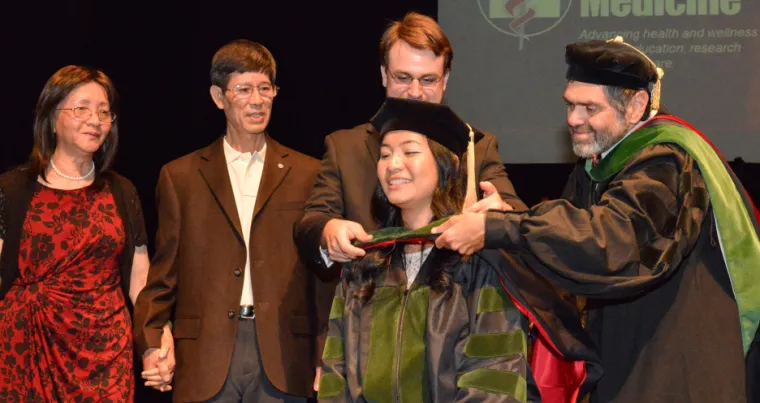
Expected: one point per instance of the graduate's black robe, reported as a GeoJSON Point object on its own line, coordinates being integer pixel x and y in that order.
{"type": "Point", "coordinates": [467, 345]}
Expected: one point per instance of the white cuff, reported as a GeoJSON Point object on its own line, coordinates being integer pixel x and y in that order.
{"type": "Point", "coordinates": [326, 256]}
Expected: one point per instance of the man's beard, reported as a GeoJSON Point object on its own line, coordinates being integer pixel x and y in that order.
{"type": "Point", "coordinates": [600, 140]}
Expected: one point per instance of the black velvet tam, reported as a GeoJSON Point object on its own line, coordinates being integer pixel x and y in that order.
{"type": "Point", "coordinates": [609, 63]}
{"type": "Point", "coordinates": [434, 121]}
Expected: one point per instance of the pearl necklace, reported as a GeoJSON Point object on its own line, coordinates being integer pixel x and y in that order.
{"type": "Point", "coordinates": [73, 178]}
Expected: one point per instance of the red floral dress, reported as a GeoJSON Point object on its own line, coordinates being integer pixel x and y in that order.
{"type": "Point", "coordinates": [65, 332]}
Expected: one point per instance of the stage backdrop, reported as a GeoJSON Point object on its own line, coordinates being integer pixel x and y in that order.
{"type": "Point", "coordinates": [509, 68]}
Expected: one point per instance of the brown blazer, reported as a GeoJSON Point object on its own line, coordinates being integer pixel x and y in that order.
{"type": "Point", "coordinates": [348, 177]}
{"type": "Point", "coordinates": [196, 278]}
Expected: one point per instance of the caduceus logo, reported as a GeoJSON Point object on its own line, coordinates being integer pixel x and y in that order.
{"type": "Point", "coordinates": [524, 18]}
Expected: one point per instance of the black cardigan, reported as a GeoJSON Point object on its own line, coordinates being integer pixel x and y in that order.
{"type": "Point", "coordinates": [17, 188]}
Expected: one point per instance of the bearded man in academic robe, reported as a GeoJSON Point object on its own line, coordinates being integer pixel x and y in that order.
{"type": "Point", "coordinates": [654, 232]}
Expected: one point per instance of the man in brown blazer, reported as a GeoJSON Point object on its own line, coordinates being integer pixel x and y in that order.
{"type": "Point", "coordinates": [226, 270]}
{"type": "Point", "coordinates": [415, 62]}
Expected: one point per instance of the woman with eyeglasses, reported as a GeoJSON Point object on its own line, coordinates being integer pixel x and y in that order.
{"type": "Point", "coordinates": [72, 253]}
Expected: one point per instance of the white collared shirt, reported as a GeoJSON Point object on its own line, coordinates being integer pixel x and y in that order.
{"type": "Point", "coordinates": [245, 171]}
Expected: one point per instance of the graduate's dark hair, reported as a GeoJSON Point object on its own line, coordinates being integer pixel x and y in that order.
{"type": "Point", "coordinates": [57, 88]}
{"type": "Point", "coordinates": [447, 200]}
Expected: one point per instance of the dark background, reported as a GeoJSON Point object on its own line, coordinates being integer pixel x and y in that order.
{"type": "Point", "coordinates": [158, 55]}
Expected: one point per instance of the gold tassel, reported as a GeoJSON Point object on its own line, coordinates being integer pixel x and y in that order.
{"type": "Point", "coordinates": [471, 197]}
{"type": "Point", "coordinates": [657, 89]}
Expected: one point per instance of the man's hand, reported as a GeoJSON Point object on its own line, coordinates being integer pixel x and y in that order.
{"type": "Point", "coordinates": [491, 200]}
{"type": "Point", "coordinates": [463, 233]}
{"type": "Point", "coordinates": [316, 379]}
{"type": "Point", "coordinates": [337, 236]}
{"type": "Point", "coordinates": [158, 364]}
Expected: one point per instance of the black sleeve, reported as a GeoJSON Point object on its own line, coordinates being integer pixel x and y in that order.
{"type": "Point", "coordinates": [140, 237]}
{"type": "Point", "coordinates": [3, 214]}
{"type": "Point", "coordinates": [324, 204]}
{"type": "Point", "coordinates": [646, 223]}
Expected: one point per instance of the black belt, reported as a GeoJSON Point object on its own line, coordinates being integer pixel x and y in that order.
{"type": "Point", "coordinates": [247, 312]}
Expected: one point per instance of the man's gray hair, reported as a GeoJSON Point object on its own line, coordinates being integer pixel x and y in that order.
{"type": "Point", "coordinates": [619, 97]}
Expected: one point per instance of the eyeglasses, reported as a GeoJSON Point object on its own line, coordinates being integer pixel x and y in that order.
{"type": "Point", "coordinates": [266, 90]}
{"type": "Point", "coordinates": [406, 79]}
{"type": "Point", "coordinates": [84, 113]}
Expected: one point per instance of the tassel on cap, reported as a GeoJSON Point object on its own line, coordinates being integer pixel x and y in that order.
{"type": "Point", "coordinates": [471, 197]}
{"type": "Point", "coordinates": [656, 91]}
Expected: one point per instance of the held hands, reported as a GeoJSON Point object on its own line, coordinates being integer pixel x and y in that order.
{"type": "Point", "coordinates": [337, 236]}
{"type": "Point", "coordinates": [158, 364]}
{"type": "Point", "coordinates": [491, 200]}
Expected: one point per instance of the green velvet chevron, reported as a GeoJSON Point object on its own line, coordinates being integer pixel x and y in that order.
{"type": "Point", "coordinates": [389, 236]}
{"type": "Point", "coordinates": [738, 236]}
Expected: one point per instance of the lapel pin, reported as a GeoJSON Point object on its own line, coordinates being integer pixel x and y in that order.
{"type": "Point", "coordinates": [279, 165]}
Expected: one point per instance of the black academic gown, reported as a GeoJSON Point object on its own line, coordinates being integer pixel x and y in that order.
{"type": "Point", "coordinates": [642, 248]}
